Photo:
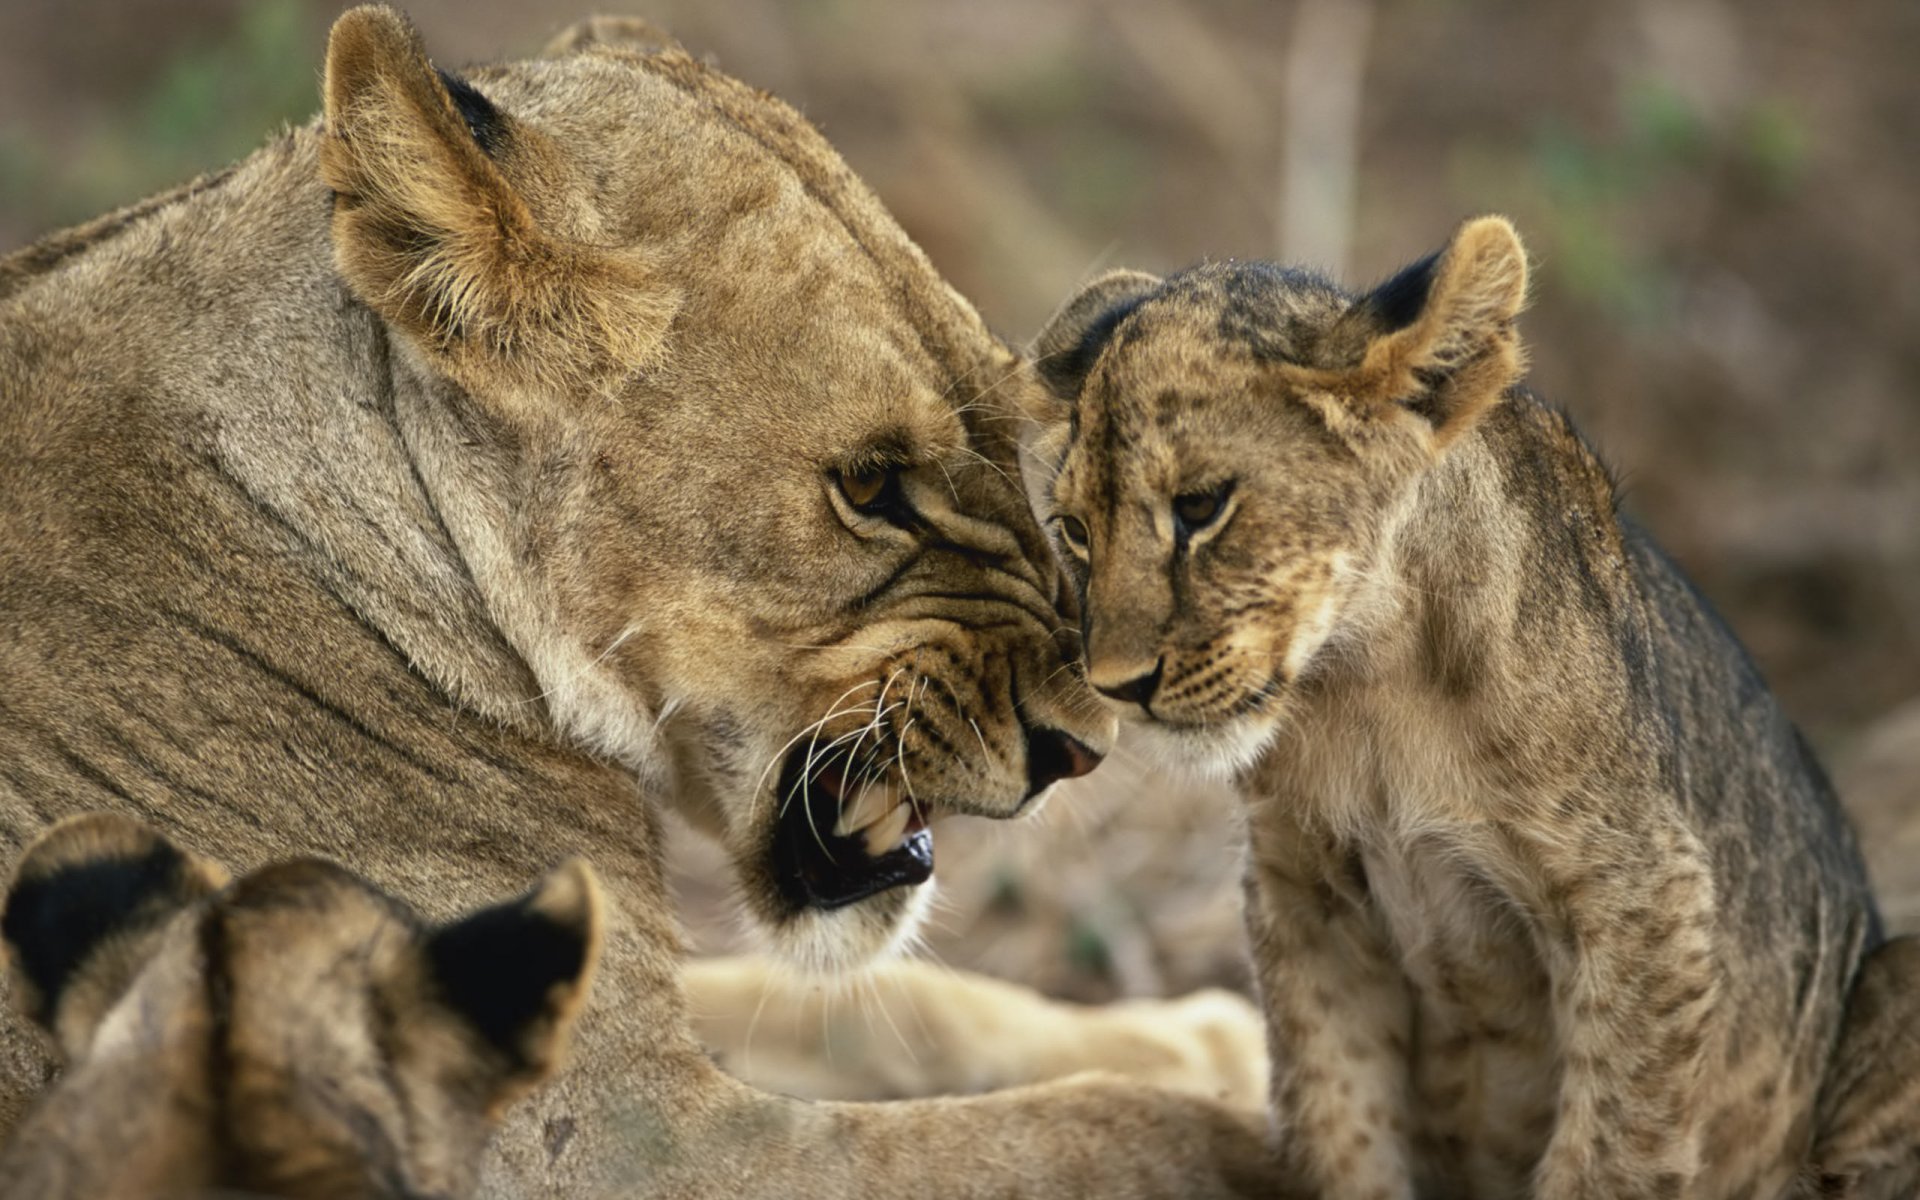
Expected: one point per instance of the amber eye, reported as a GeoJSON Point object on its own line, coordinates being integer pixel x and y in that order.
{"type": "Point", "coordinates": [1196, 510]}
{"type": "Point", "coordinates": [1074, 530]}
{"type": "Point", "coordinates": [864, 489]}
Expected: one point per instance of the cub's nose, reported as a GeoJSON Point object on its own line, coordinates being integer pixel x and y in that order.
{"type": "Point", "coordinates": [1137, 690]}
{"type": "Point", "coordinates": [1053, 756]}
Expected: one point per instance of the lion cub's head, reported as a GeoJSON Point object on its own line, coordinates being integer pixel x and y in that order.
{"type": "Point", "coordinates": [1228, 451]}
{"type": "Point", "coordinates": [724, 454]}
{"type": "Point", "coordinates": [295, 1033]}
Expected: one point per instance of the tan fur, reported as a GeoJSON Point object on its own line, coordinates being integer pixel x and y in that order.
{"type": "Point", "coordinates": [1546, 895]}
{"type": "Point", "coordinates": [498, 302]}
{"type": "Point", "coordinates": [291, 1035]}
{"type": "Point", "coordinates": [909, 1028]}
{"type": "Point", "coordinates": [1868, 1147]}
{"type": "Point", "coordinates": [463, 476]}
{"type": "Point", "coordinates": [118, 951]}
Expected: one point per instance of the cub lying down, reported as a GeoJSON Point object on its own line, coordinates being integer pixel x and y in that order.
{"type": "Point", "coordinates": [1547, 896]}
{"type": "Point", "coordinates": [295, 1033]}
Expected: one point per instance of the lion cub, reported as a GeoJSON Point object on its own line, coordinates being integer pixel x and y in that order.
{"type": "Point", "coordinates": [297, 1033]}
{"type": "Point", "coordinates": [1546, 894]}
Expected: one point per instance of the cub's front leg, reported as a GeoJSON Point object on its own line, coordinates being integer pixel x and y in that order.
{"type": "Point", "coordinates": [1635, 981]}
{"type": "Point", "coordinates": [1338, 1016]}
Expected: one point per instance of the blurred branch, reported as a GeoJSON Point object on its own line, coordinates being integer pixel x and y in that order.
{"type": "Point", "coordinates": [1326, 68]}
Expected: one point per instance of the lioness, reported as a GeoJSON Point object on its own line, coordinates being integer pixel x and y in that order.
{"type": "Point", "coordinates": [1547, 897]}
{"type": "Point", "coordinates": [463, 475]}
{"type": "Point", "coordinates": [299, 1033]}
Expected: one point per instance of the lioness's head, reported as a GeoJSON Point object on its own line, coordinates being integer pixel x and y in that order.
{"type": "Point", "coordinates": [296, 1033]}
{"type": "Point", "coordinates": [726, 457]}
{"type": "Point", "coordinates": [1226, 452]}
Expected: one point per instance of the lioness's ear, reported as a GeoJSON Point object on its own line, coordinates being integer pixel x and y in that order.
{"type": "Point", "coordinates": [627, 33]}
{"type": "Point", "coordinates": [86, 905]}
{"type": "Point", "coordinates": [429, 231]}
{"type": "Point", "coordinates": [1071, 340]}
{"type": "Point", "coordinates": [518, 972]}
{"type": "Point", "coordinates": [1441, 333]}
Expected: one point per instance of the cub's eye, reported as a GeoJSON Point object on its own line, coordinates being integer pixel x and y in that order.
{"type": "Point", "coordinates": [1193, 511]}
{"type": "Point", "coordinates": [866, 489]}
{"type": "Point", "coordinates": [1074, 530]}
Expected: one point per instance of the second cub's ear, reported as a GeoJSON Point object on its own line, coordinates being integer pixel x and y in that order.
{"type": "Point", "coordinates": [429, 230]}
{"type": "Point", "coordinates": [518, 972]}
{"type": "Point", "coordinates": [86, 902]}
{"type": "Point", "coordinates": [1072, 339]}
{"type": "Point", "coordinates": [1441, 336]}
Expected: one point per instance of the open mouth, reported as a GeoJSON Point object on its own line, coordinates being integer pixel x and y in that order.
{"type": "Point", "coordinates": [843, 835]}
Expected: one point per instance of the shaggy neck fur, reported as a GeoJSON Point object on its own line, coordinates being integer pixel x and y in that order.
{"type": "Point", "coordinates": [323, 462]}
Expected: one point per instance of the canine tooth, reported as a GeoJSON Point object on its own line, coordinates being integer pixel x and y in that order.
{"type": "Point", "coordinates": [884, 834]}
{"type": "Point", "coordinates": [873, 802]}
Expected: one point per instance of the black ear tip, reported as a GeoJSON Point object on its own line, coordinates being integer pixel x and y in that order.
{"type": "Point", "coordinates": [500, 967]}
{"type": "Point", "coordinates": [1074, 336]}
{"type": "Point", "coordinates": [1065, 370]}
{"type": "Point", "coordinates": [81, 884]}
{"type": "Point", "coordinates": [1398, 302]}
{"type": "Point", "coordinates": [483, 120]}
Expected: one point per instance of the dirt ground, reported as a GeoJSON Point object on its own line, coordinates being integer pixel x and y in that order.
{"type": "Point", "coordinates": [1721, 199]}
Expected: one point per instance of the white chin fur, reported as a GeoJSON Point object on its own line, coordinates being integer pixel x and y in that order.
{"type": "Point", "coordinates": [843, 940]}
{"type": "Point", "coordinates": [1218, 752]}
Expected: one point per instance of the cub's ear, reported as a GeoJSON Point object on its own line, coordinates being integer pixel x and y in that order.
{"type": "Point", "coordinates": [626, 33]}
{"type": "Point", "coordinates": [1440, 335]}
{"type": "Point", "coordinates": [1070, 342]}
{"type": "Point", "coordinates": [518, 972]}
{"type": "Point", "coordinates": [429, 231]}
{"type": "Point", "coordinates": [86, 904]}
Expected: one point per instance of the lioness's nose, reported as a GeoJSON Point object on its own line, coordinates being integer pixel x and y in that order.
{"type": "Point", "coordinates": [1053, 756]}
{"type": "Point", "coordinates": [1136, 690]}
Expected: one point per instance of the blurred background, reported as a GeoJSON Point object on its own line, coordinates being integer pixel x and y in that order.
{"type": "Point", "coordinates": [1723, 200]}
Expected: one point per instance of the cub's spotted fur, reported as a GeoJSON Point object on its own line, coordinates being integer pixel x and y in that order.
{"type": "Point", "coordinates": [297, 1033]}
{"type": "Point", "coordinates": [1546, 894]}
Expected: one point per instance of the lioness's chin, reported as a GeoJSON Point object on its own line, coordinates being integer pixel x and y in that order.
{"type": "Point", "coordinates": [840, 872]}
{"type": "Point", "coordinates": [832, 936]}
{"type": "Point", "coordinates": [1217, 750]}
{"type": "Point", "coordinates": [839, 940]}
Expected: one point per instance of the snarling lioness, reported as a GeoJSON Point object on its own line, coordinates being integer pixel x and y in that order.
{"type": "Point", "coordinates": [1547, 896]}
{"type": "Point", "coordinates": [296, 1033]}
{"type": "Point", "coordinates": [463, 475]}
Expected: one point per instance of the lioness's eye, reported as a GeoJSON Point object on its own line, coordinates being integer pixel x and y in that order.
{"type": "Point", "coordinates": [865, 489]}
{"type": "Point", "coordinates": [1075, 531]}
{"type": "Point", "coordinates": [1196, 510]}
